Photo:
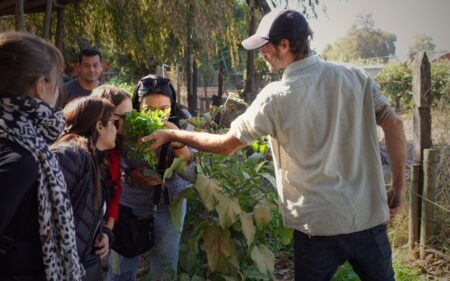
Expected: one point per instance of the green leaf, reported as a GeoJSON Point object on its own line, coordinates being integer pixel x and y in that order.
{"type": "Point", "coordinates": [263, 148]}
{"type": "Point", "coordinates": [255, 158]}
{"type": "Point", "coordinates": [185, 277]}
{"type": "Point", "coordinates": [228, 278]}
{"type": "Point", "coordinates": [255, 274]}
{"type": "Point", "coordinates": [115, 264]}
{"type": "Point", "coordinates": [228, 210]}
{"type": "Point", "coordinates": [139, 124]}
{"type": "Point", "coordinates": [178, 166]}
{"type": "Point", "coordinates": [248, 228]}
{"type": "Point", "coordinates": [196, 278]}
{"type": "Point", "coordinates": [264, 259]}
{"type": "Point", "coordinates": [263, 213]}
{"type": "Point", "coordinates": [219, 250]}
{"type": "Point", "coordinates": [255, 146]}
{"type": "Point", "coordinates": [286, 234]}
{"type": "Point", "coordinates": [175, 209]}
{"type": "Point", "coordinates": [246, 175]}
{"type": "Point", "coordinates": [270, 178]}
{"type": "Point", "coordinates": [209, 191]}
{"type": "Point", "coordinates": [259, 166]}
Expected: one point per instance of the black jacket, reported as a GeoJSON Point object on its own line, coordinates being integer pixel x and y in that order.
{"type": "Point", "coordinates": [19, 214]}
{"type": "Point", "coordinates": [79, 172]}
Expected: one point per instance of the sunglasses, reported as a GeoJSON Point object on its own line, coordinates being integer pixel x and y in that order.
{"type": "Point", "coordinates": [116, 123]}
{"type": "Point", "coordinates": [152, 83]}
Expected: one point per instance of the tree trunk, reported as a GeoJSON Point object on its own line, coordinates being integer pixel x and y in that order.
{"type": "Point", "coordinates": [48, 20]}
{"type": "Point", "coordinates": [191, 97]}
{"type": "Point", "coordinates": [60, 15]}
{"type": "Point", "coordinates": [250, 82]}
{"type": "Point", "coordinates": [194, 86]}
{"type": "Point", "coordinates": [220, 85]}
{"type": "Point", "coordinates": [19, 15]}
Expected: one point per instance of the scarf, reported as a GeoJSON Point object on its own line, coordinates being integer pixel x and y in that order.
{"type": "Point", "coordinates": [32, 124]}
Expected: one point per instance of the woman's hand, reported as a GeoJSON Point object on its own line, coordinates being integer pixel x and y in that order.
{"type": "Point", "coordinates": [138, 177]}
{"type": "Point", "coordinates": [101, 245]}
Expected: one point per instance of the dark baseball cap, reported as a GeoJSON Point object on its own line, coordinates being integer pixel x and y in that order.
{"type": "Point", "coordinates": [276, 25]}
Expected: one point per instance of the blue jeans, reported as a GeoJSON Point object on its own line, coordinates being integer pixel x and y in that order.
{"type": "Point", "coordinates": [316, 258]}
{"type": "Point", "coordinates": [163, 255]}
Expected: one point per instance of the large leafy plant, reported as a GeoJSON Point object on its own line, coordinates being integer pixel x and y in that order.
{"type": "Point", "coordinates": [233, 225]}
{"type": "Point", "coordinates": [138, 125]}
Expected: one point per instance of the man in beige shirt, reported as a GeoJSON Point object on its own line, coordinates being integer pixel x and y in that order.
{"type": "Point", "coordinates": [321, 118]}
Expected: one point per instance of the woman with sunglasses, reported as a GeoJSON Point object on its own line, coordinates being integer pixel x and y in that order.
{"type": "Point", "coordinates": [88, 133]}
{"type": "Point", "coordinates": [112, 173]}
{"type": "Point", "coordinates": [156, 93]}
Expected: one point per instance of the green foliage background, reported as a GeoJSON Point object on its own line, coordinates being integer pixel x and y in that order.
{"type": "Point", "coordinates": [395, 81]}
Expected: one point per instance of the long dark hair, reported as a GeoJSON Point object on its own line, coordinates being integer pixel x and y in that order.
{"type": "Point", "coordinates": [116, 96]}
{"type": "Point", "coordinates": [82, 115]}
{"type": "Point", "coordinates": [23, 59]}
{"type": "Point", "coordinates": [153, 84]}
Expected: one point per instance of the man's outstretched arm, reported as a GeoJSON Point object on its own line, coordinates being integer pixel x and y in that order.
{"type": "Point", "coordinates": [226, 144]}
{"type": "Point", "coordinates": [396, 146]}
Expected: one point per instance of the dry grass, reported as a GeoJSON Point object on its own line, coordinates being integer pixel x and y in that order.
{"type": "Point", "coordinates": [436, 266]}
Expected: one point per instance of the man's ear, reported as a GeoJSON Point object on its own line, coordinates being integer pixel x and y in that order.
{"type": "Point", "coordinates": [39, 88]}
{"type": "Point", "coordinates": [284, 44]}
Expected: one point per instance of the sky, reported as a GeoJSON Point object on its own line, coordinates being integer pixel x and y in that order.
{"type": "Point", "coordinates": [404, 18]}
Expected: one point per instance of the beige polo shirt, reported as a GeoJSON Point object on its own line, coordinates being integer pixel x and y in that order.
{"type": "Point", "coordinates": [321, 119]}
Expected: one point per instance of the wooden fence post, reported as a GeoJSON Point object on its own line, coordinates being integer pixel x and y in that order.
{"type": "Point", "coordinates": [413, 236]}
{"type": "Point", "coordinates": [422, 103]}
{"type": "Point", "coordinates": [421, 126]}
{"type": "Point", "coordinates": [430, 164]}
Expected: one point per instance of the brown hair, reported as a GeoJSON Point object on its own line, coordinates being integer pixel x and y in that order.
{"type": "Point", "coordinates": [24, 58]}
{"type": "Point", "coordinates": [114, 94]}
{"type": "Point", "coordinates": [82, 115]}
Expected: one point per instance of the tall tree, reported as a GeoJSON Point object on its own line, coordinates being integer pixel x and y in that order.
{"type": "Point", "coordinates": [363, 41]}
{"type": "Point", "coordinates": [422, 42]}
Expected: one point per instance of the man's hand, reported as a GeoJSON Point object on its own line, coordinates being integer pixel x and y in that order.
{"type": "Point", "coordinates": [395, 201]}
{"type": "Point", "coordinates": [159, 137]}
{"type": "Point", "coordinates": [101, 245]}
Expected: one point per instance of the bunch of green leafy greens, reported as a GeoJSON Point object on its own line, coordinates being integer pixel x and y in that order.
{"type": "Point", "coordinates": [138, 125]}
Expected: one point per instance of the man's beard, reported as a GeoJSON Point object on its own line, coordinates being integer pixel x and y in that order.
{"type": "Point", "coordinates": [272, 68]}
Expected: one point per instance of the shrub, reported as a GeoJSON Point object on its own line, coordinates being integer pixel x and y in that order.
{"type": "Point", "coordinates": [395, 81]}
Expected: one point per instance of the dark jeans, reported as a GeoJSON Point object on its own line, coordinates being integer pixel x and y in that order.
{"type": "Point", "coordinates": [369, 252]}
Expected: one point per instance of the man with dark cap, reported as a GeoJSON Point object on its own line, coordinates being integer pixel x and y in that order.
{"type": "Point", "coordinates": [321, 118]}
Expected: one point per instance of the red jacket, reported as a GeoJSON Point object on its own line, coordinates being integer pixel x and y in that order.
{"type": "Point", "coordinates": [116, 175]}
